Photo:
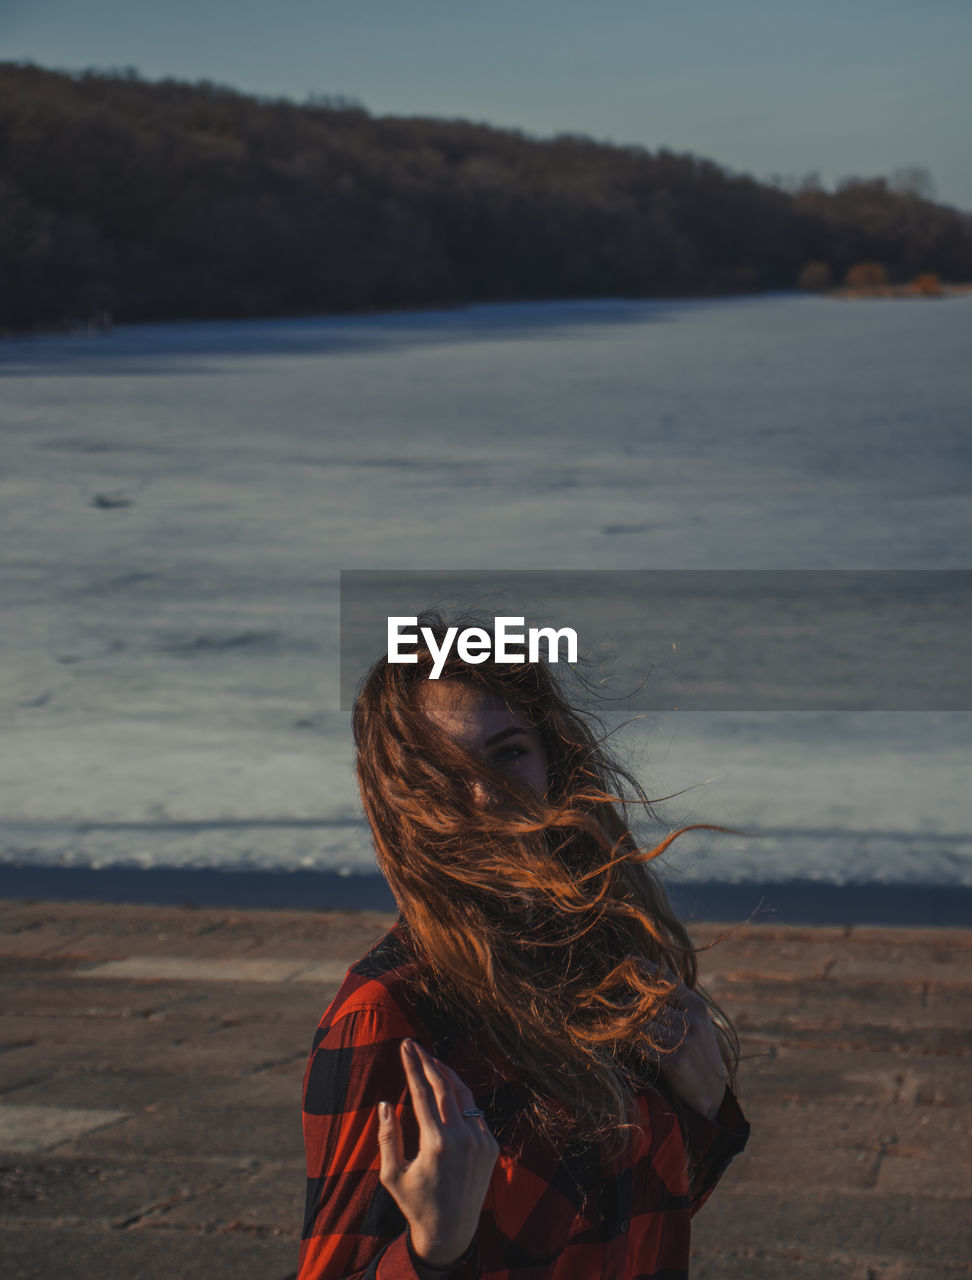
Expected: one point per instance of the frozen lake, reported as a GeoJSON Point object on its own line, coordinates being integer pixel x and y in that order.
{"type": "Point", "coordinates": [177, 502]}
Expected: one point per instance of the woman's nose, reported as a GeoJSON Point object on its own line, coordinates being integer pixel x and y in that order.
{"type": "Point", "coordinates": [483, 795]}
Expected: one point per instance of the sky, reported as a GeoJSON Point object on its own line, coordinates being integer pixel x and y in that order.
{"type": "Point", "coordinates": [775, 88]}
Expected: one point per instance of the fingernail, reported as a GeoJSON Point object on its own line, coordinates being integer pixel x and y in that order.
{"type": "Point", "coordinates": [384, 1111]}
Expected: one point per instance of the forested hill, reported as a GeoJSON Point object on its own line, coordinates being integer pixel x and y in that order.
{"type": "Point", "coordinates": [139, 201]}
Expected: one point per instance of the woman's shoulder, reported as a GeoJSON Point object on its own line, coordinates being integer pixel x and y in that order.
{"type": "Point", "coordinates": [380, 986]}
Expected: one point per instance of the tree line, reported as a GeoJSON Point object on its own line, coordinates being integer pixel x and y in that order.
{"type": "Point", "coordinates": [125, 199]}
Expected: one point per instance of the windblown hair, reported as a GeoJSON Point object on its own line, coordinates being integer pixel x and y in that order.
{"type": "Point", "coordinates": [539, 919]}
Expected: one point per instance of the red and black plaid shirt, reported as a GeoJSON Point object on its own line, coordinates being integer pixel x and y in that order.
{"type": "Point", "coordinates": [549, 1214]}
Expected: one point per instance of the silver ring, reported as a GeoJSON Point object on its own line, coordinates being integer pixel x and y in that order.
{"type": "Point", "coordinates": [474, 1112]}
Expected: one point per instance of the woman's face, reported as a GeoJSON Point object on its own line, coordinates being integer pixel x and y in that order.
{"type": "Point", "coordinates": [490, 727]}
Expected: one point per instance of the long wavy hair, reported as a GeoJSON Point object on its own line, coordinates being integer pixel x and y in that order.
{"type": "Point", "coordinates": [538, 918]}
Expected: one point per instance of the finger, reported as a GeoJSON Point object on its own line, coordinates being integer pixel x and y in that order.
{"type": "Point", "coordinates": [420, 1090]}
{"type": "Point", "coordinates": [659, 971]}
{"type": "Point", "coordinates": [687, 997]}
{"type": "Point", "coordinates": [441, 1087]}
{"type": "Point", "coordinates": [685, 1002]}
{"type": "Point", "coordinates": [390, 1147]}
{"type": "Point", "coordinates": [465, 1100]}
{"type": "Point", "coordinates": [459, 1087]}
{"type": "Point", "coordinates": [666, 985]}
{"type": "Point", "coordinates": [669, 1029]}
{"type": "Point", "coordinates": [696, 1011]}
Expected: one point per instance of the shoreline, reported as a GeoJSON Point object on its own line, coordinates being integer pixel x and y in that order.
{"type": "Point", "coordinates": [800, 902]}
{"type": "Point", "coordinates": [97, 326]}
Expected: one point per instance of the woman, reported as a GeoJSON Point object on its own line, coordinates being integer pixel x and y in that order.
{"type": "Point", "coordinates": [522, 1077]}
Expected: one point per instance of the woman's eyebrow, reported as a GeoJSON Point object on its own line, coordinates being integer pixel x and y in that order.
{"type": "Point", "coordinates": [511, 732]}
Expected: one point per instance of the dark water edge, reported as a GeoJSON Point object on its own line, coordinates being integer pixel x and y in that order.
{"type": "Point", "coordinates": [788, 902]}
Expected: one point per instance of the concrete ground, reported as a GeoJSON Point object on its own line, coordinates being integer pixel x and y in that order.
{"type": "Point", "coordinates": [151, 1063]}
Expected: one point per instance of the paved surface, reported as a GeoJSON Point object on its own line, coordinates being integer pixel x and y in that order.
{"type": "Point", "coordinates": [151, 1062]}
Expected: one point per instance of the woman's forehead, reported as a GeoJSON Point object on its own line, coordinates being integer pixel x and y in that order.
{"type": "Point", "coordinates": [467, 713]}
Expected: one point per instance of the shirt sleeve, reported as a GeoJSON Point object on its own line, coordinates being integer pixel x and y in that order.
{"type": "Point", "coordinates": [710, 1145]}
{"type": "Point", "coordinates": [353, 1230]}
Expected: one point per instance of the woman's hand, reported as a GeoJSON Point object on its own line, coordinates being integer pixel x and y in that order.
{"type": "Point", "coordinates": [693, 1066]}
{"type": "Point", "coordinates": [440, 1191]}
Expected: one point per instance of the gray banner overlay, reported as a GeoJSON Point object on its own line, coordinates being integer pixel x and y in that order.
{"type": "Point", "coordinates": [704, 640]}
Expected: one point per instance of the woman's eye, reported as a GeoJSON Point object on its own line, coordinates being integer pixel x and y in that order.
{"type": "Point", "coordinates": [506, 754]}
